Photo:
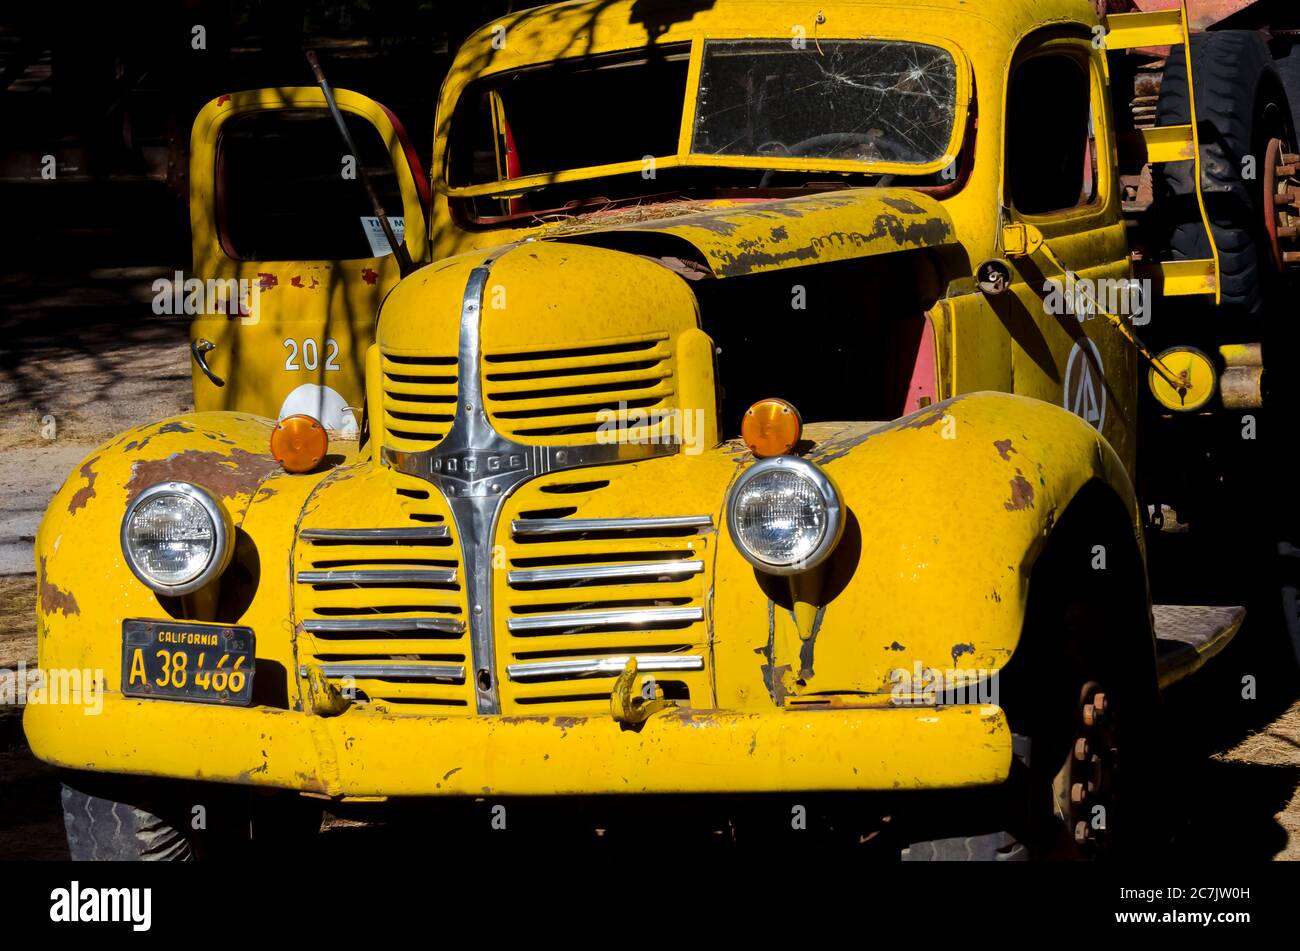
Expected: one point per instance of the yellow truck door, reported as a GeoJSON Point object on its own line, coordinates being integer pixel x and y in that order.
{"type": "Point", "coordinates": [1061, 178]}
{"type": "Point", "coordinates": [278, 208]}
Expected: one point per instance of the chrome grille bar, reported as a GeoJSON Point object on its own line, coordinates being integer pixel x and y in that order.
{"type": "Point", "coordinates": [568, 526]}
{"type": "Point", "coordinates": [652, 569]}
{"type": "Point", "coordinates": [392, 671]}
{"type": "Point", "coordinates": [604, 619]}
{"type": "Point", "coordinates": [602, 666]}
{"type": "Point", "coordinates": [374, 534]}
{"type": "Point", "coordinates": [380, 577]}
{"type": "Point", "coordinates": [442, 625]}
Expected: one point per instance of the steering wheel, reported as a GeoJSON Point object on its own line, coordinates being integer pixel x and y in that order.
{"type": "Point", "coordinates": [888, 150]}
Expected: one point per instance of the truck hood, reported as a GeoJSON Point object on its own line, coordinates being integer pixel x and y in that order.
{"type": "Point", "coordinates": [766, 236]}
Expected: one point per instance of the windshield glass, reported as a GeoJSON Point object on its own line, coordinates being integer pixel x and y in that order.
{"type": "Point", "coordinates": [569, 115]}
{"type": "Point", "coordinates": [863, 100]}
{"type": "Point", "coordinates": [604, 131]}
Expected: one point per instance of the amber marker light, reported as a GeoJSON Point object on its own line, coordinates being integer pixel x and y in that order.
{"type": "Point", "coordinates": [299, 443]}
{"type": "Point", "coordinates": [771, 427]}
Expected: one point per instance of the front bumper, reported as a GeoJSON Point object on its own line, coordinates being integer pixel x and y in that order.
{"type": "Point", "coordinates": [364, 754]}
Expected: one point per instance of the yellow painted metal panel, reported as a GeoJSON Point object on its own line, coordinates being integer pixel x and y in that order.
{"type": "Point", "coordinates": [1126, 31]}
{"type": "Point", "coordinates": [675, 751]}
{"type": "Point", "coordinates": [1169, 143]}
{"type": "Point", "coordinates": [1180, 278]}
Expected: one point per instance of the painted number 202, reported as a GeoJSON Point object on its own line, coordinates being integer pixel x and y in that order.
{"type": "Point", "coordinates": [310, 354]}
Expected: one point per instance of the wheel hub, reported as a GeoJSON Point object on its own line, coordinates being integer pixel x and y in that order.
{"type": "Point", "coordinates": [1282, 204]}
{"type": "Point", "coordinates": [1089, 781]}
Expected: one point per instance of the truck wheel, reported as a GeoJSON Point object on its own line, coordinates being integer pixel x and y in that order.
{"type": "Point", "coordinates": [1080, 686]}
{"type": "Point", "coordinates": [991, 847]}
{"type": "Point", "coordinates": [1242, 106]}
{"type": "Point", "coordinates": [117, 818]}
{"type": "Point", "coordinates": [1070, 802]}
{"type": "Point", "coordinates": [100, 828]}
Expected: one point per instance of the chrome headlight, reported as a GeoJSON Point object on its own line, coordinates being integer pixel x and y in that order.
{"type": "Point", "coordinates": [176, 537]}
{"type": "Point", "coordinates": [785, 515]}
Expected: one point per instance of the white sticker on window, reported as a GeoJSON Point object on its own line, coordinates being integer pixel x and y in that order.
{"type": "Point", "coordinates": [375, 234]}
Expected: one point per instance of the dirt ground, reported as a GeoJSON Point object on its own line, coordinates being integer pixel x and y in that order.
{"type": "Point", "coordinates": [86, 350]}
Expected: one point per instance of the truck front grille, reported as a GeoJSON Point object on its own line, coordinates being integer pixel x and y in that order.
{"type": "Point", "coordinates": [419, 399]}
{"type": "Point", "coordinates": [565, 396]}
{"type": "Point", "coordinates": [381, 607]}
{"type": "Point", "coordinates": [581, 595]}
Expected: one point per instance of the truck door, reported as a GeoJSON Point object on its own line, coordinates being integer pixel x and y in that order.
{"type": "Point", "coordinates": [1061, 177]}
{"type": "Point", "coordinates": [278, 208]}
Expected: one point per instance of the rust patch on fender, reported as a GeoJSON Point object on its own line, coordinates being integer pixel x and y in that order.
{"type": "Point", "coordinates": [266, 281]}
{"type": "Point", "coordinates": [369, 275]}
{"type": "Point", "coordinates": [839, 446]}
{"type": "Point", "coordinates": [959, 649]}
{"type": "Point", "coordinates": [927, 418]}
{"type": "Point", "coordinates": [238, 472]}
{"type": "Point", "coordinates": [87, 491]}
{"type": "Point", "coordinates": [1004, 448]}
{"type": "Point", "coordinates": [903, 205]}
{"type": "Point", "coordinates": [1022, 494]}
{"type": "Point", "coordinates": [52, 598]}
{"type": "Point", "coordinates": [175, 426]}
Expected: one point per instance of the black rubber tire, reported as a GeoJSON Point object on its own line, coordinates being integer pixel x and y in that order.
{"type": "Point", "coordinates": [123, 818]}
{"type": "Point", "coordinates": [993, 847]}
{"type": "Point", "coordinates": [1241, 103]}
{"type": "Point", "coordinates": [102, 829]}
{"type": "Point", "coordinates": [1288, 66]}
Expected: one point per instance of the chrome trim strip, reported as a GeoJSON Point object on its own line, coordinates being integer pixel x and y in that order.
{"type": "Point", "coordinates": [603, 667]}
{"type": "Point", "coordinates": [442, 625]}
{"type": "Point", "coordinates": [380, 577]}
{"type": "Point", "coordinates": [373, 534]}
{"type": "Point", "coordinates": [602, 619]}
{"type": "Point", "coordinates": [396, 671]}
{"type": "Point", "coordinates": [567, 526]}
{"type": "Point", "coordinates": [649, 569]}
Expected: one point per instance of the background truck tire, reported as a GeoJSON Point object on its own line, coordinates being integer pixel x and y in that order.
{"type": "Point", "coordinates": [105, 829]}
{"type": "Point", "coordinates": [1241, 104]}
{"type": "Point", "coordinates": [1287, 60]}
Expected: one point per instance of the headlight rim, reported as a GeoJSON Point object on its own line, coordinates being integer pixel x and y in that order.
{"type": "Point", "coordinates": [222, 543]}
{"type": "Point", "coordinates": [830, 496]}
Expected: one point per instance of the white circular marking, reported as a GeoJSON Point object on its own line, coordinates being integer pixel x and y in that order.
{"type": "Point", "coordinates": [1085, 384]}
{"type": "Point", "coordinates": [324, 404]}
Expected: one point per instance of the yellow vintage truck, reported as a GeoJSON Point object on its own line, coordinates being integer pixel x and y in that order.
{"type": "Point", "coordinates": [761, 412]}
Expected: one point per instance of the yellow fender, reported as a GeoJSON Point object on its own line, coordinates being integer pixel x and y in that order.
{"type": "Point", "coordinates": [84, 587]}
{"type": "Point", "coordinates": [933, 571]}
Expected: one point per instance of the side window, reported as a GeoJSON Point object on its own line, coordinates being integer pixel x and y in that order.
{"type": "Point", "coordinates": [1051, 139]}
{"type": "Point", "coordinates": [287, 192]}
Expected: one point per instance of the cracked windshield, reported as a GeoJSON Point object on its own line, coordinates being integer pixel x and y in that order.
{"type": "Point", "coordinates": [868, 101]}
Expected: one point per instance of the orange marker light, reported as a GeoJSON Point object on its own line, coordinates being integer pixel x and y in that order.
{"type": "Point", "coordinates": [299, 443]}
{"type": "Point", "coordinates": [771, 427]}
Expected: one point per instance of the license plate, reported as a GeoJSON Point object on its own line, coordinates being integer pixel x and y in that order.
{"type": "Point", "coordinates": [204, 663]}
